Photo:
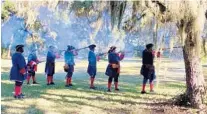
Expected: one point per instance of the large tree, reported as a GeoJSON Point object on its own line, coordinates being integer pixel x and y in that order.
{"type": "Point", "coordinates": [189, 16]}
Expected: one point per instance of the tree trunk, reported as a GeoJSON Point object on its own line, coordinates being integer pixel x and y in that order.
{"type": "Point", "coordinates": [204, 47]}
{"type": "Point", "coordinates": [10, 46]}
{"type": "Point", "coordinates": [194, 75]}
{"type": "Point", "coordinates": [155, 34]}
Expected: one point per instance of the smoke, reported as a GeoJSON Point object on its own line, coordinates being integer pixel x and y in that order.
{"type": "Point", "coordinates": [65, 28]}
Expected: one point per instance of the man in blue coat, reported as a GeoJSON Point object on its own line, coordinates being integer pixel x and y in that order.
{"type": "Point", "coordinates": [69, 64]}
{"type": "Point", "coordinates": [92, 59]}
{"type": "Point", "coordinates": [113, 68]}
{"type": "Point", "coordinates": [148, 70]}
{"type": "Point", "coordinates": [50, 65]}
{"type": "Point", "coordinates": [32, 66]}
{"type": "Point", "coordinates": [18, 71]}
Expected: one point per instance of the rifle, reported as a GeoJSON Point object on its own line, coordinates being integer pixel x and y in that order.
{"type": "Point", "coordinates": [74, 49]}
{"type": "Point", "coordinates": [60, 51]}
{"type": "Point", "coordinates": [80, 48]}
{"type": "Point", "coordinates": [102, 54]}
{"type": "Point", "coordinates": [124, 51]}
{"type": "Point", "coordinates": [170, 48]}
{"type": "Point", "coordinates": [40, 62]}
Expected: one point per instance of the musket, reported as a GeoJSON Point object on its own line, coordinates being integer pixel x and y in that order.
{"type": "Point", "coordinates": [74, 49]}
{"type": "Point", "coordinates": [101, 54]}
{"type": "Point", "coordinates": [60, 51]}
{"type": "Point", "coordinates": [41, 61]}
{"type": "Point", "coordinates": [124, 51]}
{"type": "Point", "coordinates": [170, 48]}
{"type": "Point", "coordinates": [80, 48]}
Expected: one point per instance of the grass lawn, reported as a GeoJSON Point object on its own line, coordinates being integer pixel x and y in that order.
{"type": "Point", "coordinates": [79, 99]}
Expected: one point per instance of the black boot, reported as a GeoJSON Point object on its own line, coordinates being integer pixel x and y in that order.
{"type": "Point", "coordinates": [109, 90]}
{"type": "Point", "coordinates": [52, 83]}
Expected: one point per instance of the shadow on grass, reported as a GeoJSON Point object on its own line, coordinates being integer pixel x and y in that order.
{"type": "Point", "coordinates": [32, 109]}
{"type": "Point", "coordinates": [129, 93]}
{"type": "Point", "coordinates": [5, 69]}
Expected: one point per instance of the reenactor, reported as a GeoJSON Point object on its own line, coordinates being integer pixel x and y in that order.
{"type": "Point", "coordinates": [113, 68]}
{"type": "Point", "coordinates": [18, 71]}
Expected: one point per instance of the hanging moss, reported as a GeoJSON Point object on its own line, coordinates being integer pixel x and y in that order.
{"type": "Point", "coordinates": [81, 8]}
{"type": "Point", "coordinates": [7, 9]}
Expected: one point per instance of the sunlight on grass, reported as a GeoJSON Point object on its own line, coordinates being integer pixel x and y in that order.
{"type": "Point", "coordinates": [7, 82]}
{"type": "Point", "coordinates": [57, 99]}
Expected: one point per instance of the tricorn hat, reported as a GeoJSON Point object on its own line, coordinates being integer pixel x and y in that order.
{"type": "Point", "coordinates": [112, 47]}
{"type": "Point", "coordinates": [92, 46]}
{"type": "Point", "coordinates": [70, 47]}
{"type": "Point", "coordinates": [19, 46]}
{"type": "Point", "coordinates": [148, 46]}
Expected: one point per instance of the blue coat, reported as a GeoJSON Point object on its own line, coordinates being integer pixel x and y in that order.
{"type": "Point", "coordinates": [69, 58]}
{"type": "Point", "coordinates": [51, 57]}
{"type": "Point", "coordinates": [91, 64]}
{"type": "Point", "coordinates": [91, 58]}
{"type": "Point", "coordinates": [113, 58]}
{"type": "Point", "coordinates": [18, 63]}
{"type": "Point", "coordinates": [50, 63]}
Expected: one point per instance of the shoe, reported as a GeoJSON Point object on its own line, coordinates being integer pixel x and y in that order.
{"type": "Point", "coordinates": [109, 90]}
{"type": "Point", "coordinates": [48, 84]}
{"type": "Point", "coordinates": [117, 89]}
{"type": "Point", "coordinates": [18, 96]}
{"type": "Point", "coordinates": [27, 83]}
{"type": "Point", "coordinates": [52, 83]}
{"type": "Point", "coordinates": [143, 92]}
{"type": "Point", "coordinates": [67, 86]}
{"type": "Point", "coordinates": [35, 83]}
{"type": "Point", "coordinates": [70, 84]}
{"type": "Point", "coordinates": [93, 87]}
{"type": "Point", "coordinates": [152, 91]}
{"type": "Point", "coordinates": [22, 95]}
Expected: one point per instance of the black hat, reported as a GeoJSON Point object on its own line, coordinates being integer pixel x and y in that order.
{"type": "Point", "coordinates": [112, 47]}
{"type": "Point", "coordinates": [19, 46]}
{"type": "Point", "coordinates": [70, 47]}
{"type": "Point", "coordinates": [148, 46]}
{"type": "Point", "coordinates": [92, 46]}
{"type": "Point", "coordinates": [51, 46]}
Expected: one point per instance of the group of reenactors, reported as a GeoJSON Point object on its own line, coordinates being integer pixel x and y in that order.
{"type": "Point", "coordinates": [21, 70]}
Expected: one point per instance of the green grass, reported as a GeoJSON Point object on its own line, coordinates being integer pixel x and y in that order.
{"type": "Point", "coordinates": [43, 99]}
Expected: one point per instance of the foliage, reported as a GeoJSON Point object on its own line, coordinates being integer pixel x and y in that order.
{"type": "Point", "coordinates": [81, 7]}
{"type": "Point", "coordinates": [37, 26]}
{"type": "Point", "coordinates": [35, 39]}
{"type": "Point", "coordinates": [7, 9]}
